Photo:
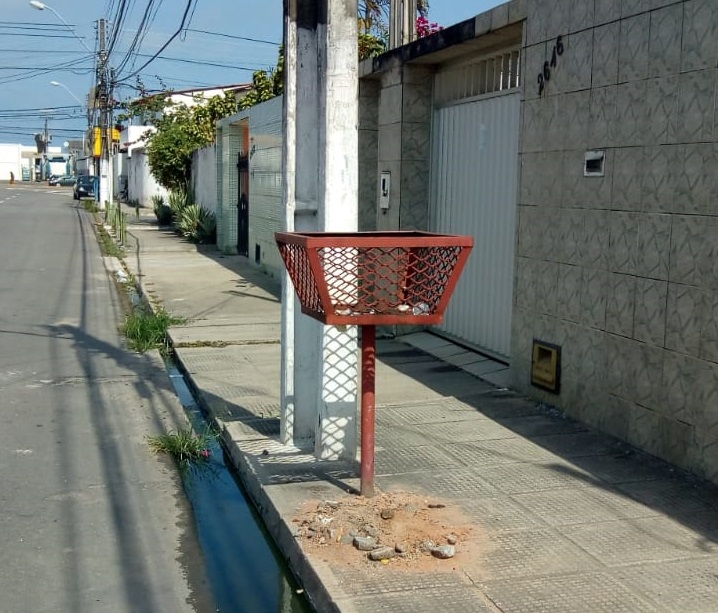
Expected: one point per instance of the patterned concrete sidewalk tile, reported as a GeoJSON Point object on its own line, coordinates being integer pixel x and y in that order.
{"type": "Point", "coordinates": [453, 484]}
{"type": "Point", "coordinates": [425, 414]}
{"type": "Point", "coordinates": [381, 580]}
{"type": "Point", "coordinates": [500, 513]}
{"type": "Point", "coordinates": [673, 496]}
{"type": "Point", "coordinates": [641, 540]}
{"type": "Point", "coordinates": [455, 599]}
{"type": "Point", "coordinates": [625, 467]}
{"type": "Point", "coordinates": [523, 553]}
{"type": "Point", "coordinates": [541, 425]}
{"type": "Point", "coordinates": [678, 586]}
{"type": "Point", "coordinates": [468, 430]}
{"type": "Point", "coordinates": [576, 444]}
{"type": "Point", "coordinates": [528, 477]}
{"type": "Point", "coordinates": [395, 460]}
{"type": "Point", "coordinates": [575, 593]}
{"type": "Point", "coordinates": [499, 451]}
{"type": "Point", "coordinates": [582, 505]}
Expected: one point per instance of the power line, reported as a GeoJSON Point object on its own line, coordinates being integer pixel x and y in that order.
{"type": "Point", "coordinates": [163, 47]}
{"type": "Point", "coordinates": [200, 62]}
{"type": "Point", "coordinates": [45, 51]}
{"type": "Point", "coordinates": [22, 76]}
{"type": "Point", "coordinates": [39, 35]}
{"type": "Point", "coordinates": [41, 29]}
{"type": "Point", "coordinates": [44, 108]}
{"type": "Point", "coordinates": [252, 40]}
{"type": "Point", "coordinates": [34, 23]}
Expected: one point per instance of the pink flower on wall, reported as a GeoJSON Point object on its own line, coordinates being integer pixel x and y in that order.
{"type": "Point", "coordinates": [425, 28]}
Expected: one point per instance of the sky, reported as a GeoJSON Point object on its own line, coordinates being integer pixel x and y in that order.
{"type": "Point", "coordinates": [222, 42]}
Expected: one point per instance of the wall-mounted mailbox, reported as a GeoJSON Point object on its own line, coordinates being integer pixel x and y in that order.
{"type": "Point", "coordinates": [546, 366]}
{"type": "Point", "coordinates": [384, 190]}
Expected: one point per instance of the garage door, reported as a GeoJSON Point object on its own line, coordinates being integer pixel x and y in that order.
{"type": "Point", "coordinates": [474, 174]}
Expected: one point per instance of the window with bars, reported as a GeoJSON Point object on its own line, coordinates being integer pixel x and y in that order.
{"type": "Point", "coordinates": [484, 76]}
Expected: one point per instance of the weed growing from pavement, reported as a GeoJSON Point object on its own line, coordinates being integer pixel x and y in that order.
{"type": "Point", "coordinates": [89, 205]}
{"type": "Point", "coordinates": [107, 244]}
{"type": "Point", "coordinates": [184, 445]}
{"type": "Point", "coordinates": [145, 330]}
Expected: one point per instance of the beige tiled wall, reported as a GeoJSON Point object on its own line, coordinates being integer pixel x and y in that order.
{"type": "Point", "coordinates": [394, 136]}
{"type": "Point", "coordinates": [621, 270]}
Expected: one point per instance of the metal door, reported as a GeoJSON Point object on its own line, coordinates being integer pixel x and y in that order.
{"type": "Point", "coordinates": [243, 204]}
{"type": "Point", "coordinates": [474, 175]}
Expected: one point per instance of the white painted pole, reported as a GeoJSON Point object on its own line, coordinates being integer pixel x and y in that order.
{"type": "Point", "coordinates": [289, 161]}
{"type": "Point", "coordinates": [319, 364]}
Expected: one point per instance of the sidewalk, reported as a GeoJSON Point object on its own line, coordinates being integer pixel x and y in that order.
{"type": "Point", "coordinates": [551, 516]}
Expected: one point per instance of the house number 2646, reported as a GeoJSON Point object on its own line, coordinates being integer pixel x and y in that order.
{"type": "Point", "coordinates": [545, 75]}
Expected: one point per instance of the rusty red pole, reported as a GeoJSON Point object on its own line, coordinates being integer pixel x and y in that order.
{"type": "Point", "coordinates": [368, 376]}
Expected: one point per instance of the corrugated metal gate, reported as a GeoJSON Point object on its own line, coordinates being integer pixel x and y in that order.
{"type": "Point", "coordinates": [474, 174]}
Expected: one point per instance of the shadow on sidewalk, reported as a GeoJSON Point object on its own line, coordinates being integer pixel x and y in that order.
{"type": "Point", "coordinates": [567, 453]}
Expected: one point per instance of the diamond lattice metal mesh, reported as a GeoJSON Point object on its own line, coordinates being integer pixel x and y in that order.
{"type": "Point", "coordinates": [372, 280]}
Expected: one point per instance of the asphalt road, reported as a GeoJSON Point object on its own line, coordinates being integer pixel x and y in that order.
{"type": "Point", "coordinates": [90, 520]}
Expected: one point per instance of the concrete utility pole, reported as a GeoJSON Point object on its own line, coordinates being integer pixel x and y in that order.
{"type": "Point", "coordinates": [319, 363]}
{"type": "Point", "coordinates": [103, 94]}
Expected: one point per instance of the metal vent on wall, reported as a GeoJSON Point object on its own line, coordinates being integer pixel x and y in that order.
{"type": "Point", "coordinates": [488, 75]}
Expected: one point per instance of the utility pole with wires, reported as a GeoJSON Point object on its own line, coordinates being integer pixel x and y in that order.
{"type": "Point", "coordinates": [103, 95]}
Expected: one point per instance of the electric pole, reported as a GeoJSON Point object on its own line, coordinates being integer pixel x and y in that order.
{"type": "Point", "coordinates": [104, 103]}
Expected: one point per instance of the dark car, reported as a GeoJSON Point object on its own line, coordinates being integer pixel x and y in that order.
{"type": "Point", "coordinates": [63, 180]}
{"type": "Point", "coordinates": [84, 187]}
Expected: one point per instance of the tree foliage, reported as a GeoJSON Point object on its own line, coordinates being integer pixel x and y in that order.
{"type": "Point", "coordinates": [180, 130]}
{"type": "Point", "coordinates": [265, 84]}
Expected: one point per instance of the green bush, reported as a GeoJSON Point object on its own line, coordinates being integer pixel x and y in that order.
{"type": "Point", "coordinates": [162, 211]}
{"type": "Point", "coordinates": [178, 200]}
{"type": "Point", "coordinates": [197, 224]}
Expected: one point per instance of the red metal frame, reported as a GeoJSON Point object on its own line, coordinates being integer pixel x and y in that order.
{"type": "Point", "coordinates": [308, 275]}
{"type": "Point", "coordinates": [377, 278]}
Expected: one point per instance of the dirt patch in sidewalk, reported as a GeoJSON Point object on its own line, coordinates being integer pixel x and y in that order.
{"type": "Point", "coordinates": [414, 530]}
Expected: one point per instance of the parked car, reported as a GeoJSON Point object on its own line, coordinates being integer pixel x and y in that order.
{"type": "Point", "coordinates": [63, 180]}
{"type": "Point", "coordinates": [84, 187]}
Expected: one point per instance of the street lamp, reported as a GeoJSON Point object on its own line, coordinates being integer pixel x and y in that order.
{"type": "Point", "coordinates": [82, 104]}
{"type": "Point", "coordinates": [41, 6]}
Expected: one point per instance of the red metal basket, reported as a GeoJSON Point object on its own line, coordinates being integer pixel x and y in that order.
{"type": "Point", "coordinates": [374, 278]}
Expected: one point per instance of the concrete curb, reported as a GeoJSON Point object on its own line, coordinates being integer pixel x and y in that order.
{"type": "Point", "coordinates": [298, 563]}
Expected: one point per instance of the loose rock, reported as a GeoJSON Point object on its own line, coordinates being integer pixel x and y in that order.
{"type": "Point", "coordinates": [370, 530]}
{"type": "Point", "coordinates": [452, 539]}
{"type": "Point", "coordinates": [426, 546]}
{"type": "Point", "coordinates": [382, 553]}
{"type": "Point", "coordinates": [400, 548]}
{"type": "Point", "coordinates": [364, 543]}
{"type": "Point", "coordinates": [436, 505]}
{"type": "Point", "coordinates": [444, 552]}
{"type": "Point", "coordinates": [387, 513]}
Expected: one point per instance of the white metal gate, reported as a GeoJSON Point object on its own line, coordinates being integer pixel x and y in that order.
{"type": "Point", "coordinates": [474, 174]}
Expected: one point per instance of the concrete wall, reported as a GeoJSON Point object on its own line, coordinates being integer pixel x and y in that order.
{"type": "Point", "coordinates": [229, 144]}
{"type": "Point", "coordinates": [369, 90]}
{"type": "Point", "coordinates": [204, 177]}
{"type": "Point", "coordinates": [403, 147]}
{"type": "Point", "coordinates": [10, 161]}
{"type": "Point", "coordinates": [266, 211]}
{"type": "Point", "coordinates": [141, 185]}
{"type": "Point", "coordinates": [620, 270]}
